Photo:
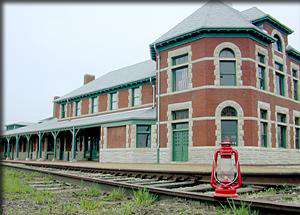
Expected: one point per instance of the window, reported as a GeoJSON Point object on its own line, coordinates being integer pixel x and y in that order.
{"type": "Point", "coordinates": [180, 78]}
{"type": "Point", "coordinates": [228, 111]}
{"type": "Point", "coordinates": [179, 59]}
{"type": "Point", "coordinates": [263, 114]}
{"type": "Point", "coordinates": [297, 132]}
{"type": "Point", "coordinates": [136, 96]}
{"type": "Point", "coordinates": [261, 77]}
{"type": "Point", "coordinates": [94, 105]}
{"type": "Point", "coordinates": [63, 110]}
{"type": "Point", "coordinates": [278, 44]}
{"type": "Point", "coordinates": [180, 114]}
{"type": "Point", "coordinates": [227, 68]}
{"type": "Point", "coordinates": [263, 128]}
{"type": "Point", "coordinates": [281, 130]}
{"type": "Point", "coordinates": [113, 101]}
{"type": "Point", "coordinates": [279, 66]}
{"type": "Point", "coordinates": [295, 89]}
{"type": "Point", "coordinates": [229, 131]}
{"type": "Point", "coordinates": [295, 73]}
{"type": "Point", "coordinates": [143, 136]}
{"type": "Point", "coordinates": [264, 134]}
{"type": "Point", "coordinates": [281, 117]}
{"type": "Point", "coordinates": [229, 126]}
{"type": "Point", "coordinates": [261, 58]}
{"type": "Point", "coordinates": [77, 108]}
{"type": "Point", "coordinates": [279, 84]}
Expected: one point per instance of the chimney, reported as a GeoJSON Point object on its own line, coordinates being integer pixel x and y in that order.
{"type": "Point", "coordinates": [88, 78]}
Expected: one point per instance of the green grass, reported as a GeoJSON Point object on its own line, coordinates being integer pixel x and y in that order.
{"type": "Point", "coordinates": [90, 205]}
{"type": "Point", "coordinates": [93, 191]}
{"type": "Point", "coordinates": [232, 209]}
{"type": "Point", "coordinates": [116, 195]}
{"type": "Point", "coordinates": [142, 197]}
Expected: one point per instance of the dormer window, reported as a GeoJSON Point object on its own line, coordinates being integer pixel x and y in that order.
{"type": "Point", "coordinates": [278, 43]}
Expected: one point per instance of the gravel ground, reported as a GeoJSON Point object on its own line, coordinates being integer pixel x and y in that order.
{"type": "Point", "coordinates": [21, 197]}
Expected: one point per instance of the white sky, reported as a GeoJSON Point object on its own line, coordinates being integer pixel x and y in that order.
{"type": "Point", "coordinates": [49, 47]}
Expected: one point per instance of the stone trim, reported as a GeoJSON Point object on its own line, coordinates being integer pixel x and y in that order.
{"type": "Point", "coordinates": [153, 136]}
{"type": "Point", "coordinates": [238, 60]}
{"type": "Point", "coordinates": [239, 118]}
{"type": "Point", "coordinates": [263, 51]}
{"type": "Point", "coordinates": [283, 110]}
{"type": "Point", "coordinates": [105, 138]}
{"type": "Point", "coordinates": [180, 51]}
{"type": "Point", "coordinates": [133, 136]}
{"type": "Point", "coordinates": [282, 41]}
{"type": "Point", "coordinates": [265, 106]}
{"type": "Point", "coordinates": [175, 107]}
{"type": "Point", "coordinates": [127, 136]}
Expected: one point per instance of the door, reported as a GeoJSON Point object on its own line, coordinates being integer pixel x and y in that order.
{"type": "Point", "coordinates": [229, 131]}
{"type": "Point", "coordinates": [180, 142]}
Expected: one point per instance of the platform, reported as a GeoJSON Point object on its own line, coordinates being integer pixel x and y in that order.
{"type": "Point", "coordinates": [175, 167]}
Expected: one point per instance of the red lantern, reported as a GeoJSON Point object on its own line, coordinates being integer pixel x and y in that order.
{"type": "Point", "coordinates": [226, 174]}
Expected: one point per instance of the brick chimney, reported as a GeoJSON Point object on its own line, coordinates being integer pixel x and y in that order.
{"type": "Point", "coordinates": [88, 78]}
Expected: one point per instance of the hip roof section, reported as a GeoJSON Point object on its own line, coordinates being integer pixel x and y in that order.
{"type": "Point", "coordinates": [136, 72]}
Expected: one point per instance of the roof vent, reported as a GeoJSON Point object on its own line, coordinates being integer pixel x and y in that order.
{"type": "Point", "coordinates": [88, 78]}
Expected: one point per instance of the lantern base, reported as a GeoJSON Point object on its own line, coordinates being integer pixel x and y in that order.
{"type": "Point", "coordinates": [225, 193]}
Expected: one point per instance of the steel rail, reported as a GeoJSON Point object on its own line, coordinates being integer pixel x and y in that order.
{"type": "Point", "coordinates": [263, 206]}
{"type": "Point", "coordinates": [267, 179]}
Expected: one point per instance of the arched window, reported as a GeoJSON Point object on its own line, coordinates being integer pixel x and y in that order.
{"type": "Point", "coordinates": [229, 125]}
{"type": "Point", "coordinates": [229, 111]}
{"type": "Point", "coordinates": [227, 68]}
{"type": "Point", "coordinates": [278, 43]}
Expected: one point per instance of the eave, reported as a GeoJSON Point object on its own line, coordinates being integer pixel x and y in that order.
{"type": "Point", "coordinates": [252, 33]}
{"type": "Point", "coordinates": [273, 22]}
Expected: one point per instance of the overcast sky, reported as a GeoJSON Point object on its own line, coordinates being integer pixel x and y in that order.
{"type": "Point", "coordinates": [49, 47]}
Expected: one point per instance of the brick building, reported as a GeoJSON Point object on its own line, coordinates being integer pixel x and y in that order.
{"type": "Point", "coordinates": [218, 74]}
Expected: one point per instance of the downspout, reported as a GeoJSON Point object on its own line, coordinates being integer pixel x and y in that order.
{"type": "Point", "coordinates": [158, 104]}
{"type": "Point", "coordinates": [153, 93]}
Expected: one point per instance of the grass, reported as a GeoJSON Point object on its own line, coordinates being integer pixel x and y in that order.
{"type": "Point", "coordinates": [142, 197]}
{"type": "Point", "coordinates": [116, 195]}
{"type": "Point", "coordinates": [93, 191]}
{"type": "Point", "coordinates": [236, 210]}
{"type": "Point", "coordinates": [90, 205]}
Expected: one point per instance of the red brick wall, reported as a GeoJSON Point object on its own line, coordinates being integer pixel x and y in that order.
{"type": "Point", "coordinates": [123, 98]}
{"type": "Point", "coordinates": [56, 111]}
{"type": "Point", "coordinates": [116, 137]}
{"type": "Point", "coordinates": [103, 102]}
{"type": "Point", "coordinates": [147, 93]}
{"type": "Point", "coordinates": [85, 106]}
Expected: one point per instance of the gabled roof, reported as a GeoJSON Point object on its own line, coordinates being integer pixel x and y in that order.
{"type": "Point", "coordinates": [54, 124]}
{"type": "Point", "coordinates": [215, 17]}
{"type": "Point", "coordinates": [214, 14]}
{"type": "Point", "coordinates": [136, 72]}
{"type": "Point", "coordinates": [255, 15]}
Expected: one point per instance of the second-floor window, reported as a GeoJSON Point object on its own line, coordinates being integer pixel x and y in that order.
{"type": "Point", "coordinates": [295, 84]}
{"type": "Point", "coordinates": [263, 128]}
{"type": "Point", "coordinates": [180, 78]}
{"type": "Point", "coordinates": [136, 96]}
{"type": "Point", "coordinates": [279, 84]}
{"type": "Point", "coordinates": [227, 68]}
{"type": "Point", "coordinates": [77, 108]}
{"type": "Point", "coordinates": [261, 71]}
{"type": "Point", "coordinates": [94, 105]}
{"type": "Point", "coordinates": [113, 101]}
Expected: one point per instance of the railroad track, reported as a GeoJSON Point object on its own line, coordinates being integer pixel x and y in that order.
{"type": "Point", "coordinates": [188, 187]}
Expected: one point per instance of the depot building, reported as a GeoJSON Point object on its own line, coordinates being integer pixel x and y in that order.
{"type": "Point", "coordinates": [219, 74]}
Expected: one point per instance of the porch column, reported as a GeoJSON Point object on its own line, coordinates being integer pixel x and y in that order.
{"type": "Point", "coordinates": [8, 149]}
{"type": "Point", "coordinates": [74, 134]}
{"type": "Point", "coordinates": [40, 145]}
{"type": "Point", "coordinates": [27, 147]}
{"type": "Point", "coordinates": [54, 133]}
{"type": "Point", "coordinates": [17, 147]}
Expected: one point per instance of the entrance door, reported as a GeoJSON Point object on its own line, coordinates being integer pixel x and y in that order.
{"type": "Point", "coordinates": [94, 149]}
{"type": "Point", "coordinates": [180, 142]}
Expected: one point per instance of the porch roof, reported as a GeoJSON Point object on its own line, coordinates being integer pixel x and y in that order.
{"type": "Point", "coordinates": [54, 125]}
